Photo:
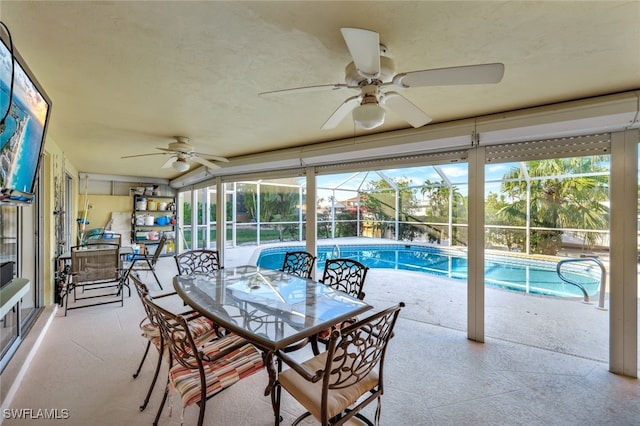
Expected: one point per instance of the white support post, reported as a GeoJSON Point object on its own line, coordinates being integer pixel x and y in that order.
{"type": "Point", "coordinates": [475, 264]}
{"type": "Point", "coordinates": [623, 299]}
{"type": "Point", "coordinates": [310, 234]}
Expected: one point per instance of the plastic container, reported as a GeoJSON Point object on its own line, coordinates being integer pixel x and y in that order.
{"type": "Point", "coordinates": [141, 204]}
{"type": "Point", "coordinates": [152, 205]}
{"type": "Point", "coordinates": [162, 206]}
{"type": "Point", "coordinates": [162, 220]}
{"type": "Point", "coordinates": [149, 220]}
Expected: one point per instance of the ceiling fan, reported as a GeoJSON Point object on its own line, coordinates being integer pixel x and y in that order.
{"type": "Point", "coordinates": [371, 72]}
{"type": "Point", "coordinates": [181, 151]}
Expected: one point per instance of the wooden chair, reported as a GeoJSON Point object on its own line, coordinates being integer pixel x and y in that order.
{"type": "Point", "coordinates": [198, 372]}
{"type": "Point", "coordinates": [346, 275]}
{"type": "Point", "coordinates": [299, 263]}
{"type": "Point", "coordinates": [147, 262]}
{"type": "Point", "coordinates": [336, 384]}
{"type": "Point", "coordinates": [197, 261]}
{"type": "Point", "coordinates": [202, 329]}
{"type": "Point", "coordinates": [94, 269]}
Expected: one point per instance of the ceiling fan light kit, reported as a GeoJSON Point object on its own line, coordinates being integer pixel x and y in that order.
{"type": "Point", "coordinates": [371, 71]}
{"type": "Point", "coordinates": [368, 116]}
{"type": "Point", "coordinates": [180, 165]}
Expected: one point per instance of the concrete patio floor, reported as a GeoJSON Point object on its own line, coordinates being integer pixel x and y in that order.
{"type": "Point", "coordinates": [543, 363]}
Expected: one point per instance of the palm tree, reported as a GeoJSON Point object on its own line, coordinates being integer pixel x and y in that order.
{"type": "Point", "coordinates": [564, 193]}
{"type": "Point", "coordinates": [439, 196]}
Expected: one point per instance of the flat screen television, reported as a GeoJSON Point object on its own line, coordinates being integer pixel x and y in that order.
{"type": "Point", "coordinates": [23, 132]}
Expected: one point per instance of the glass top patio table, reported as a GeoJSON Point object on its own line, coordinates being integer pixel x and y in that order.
{"type": "Point", "coordinates": [269, 308]}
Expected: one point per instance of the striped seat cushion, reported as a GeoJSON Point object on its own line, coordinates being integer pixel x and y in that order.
{"type": "Point", "coordinates": [219, 374]}
{"type": "Point", "coordinates": [202, 330]}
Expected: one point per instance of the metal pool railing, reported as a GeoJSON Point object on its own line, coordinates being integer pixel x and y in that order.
{"type": "Point", "coordinates": [603, 277]}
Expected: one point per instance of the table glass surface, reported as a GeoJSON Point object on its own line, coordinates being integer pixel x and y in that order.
{"type": "Point", "coordinates": [271, 308]}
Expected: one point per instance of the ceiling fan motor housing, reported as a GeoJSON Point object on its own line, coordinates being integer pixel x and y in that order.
{"type": "Point", "coordinates": [387, 70]}
{"type": "Point", "coordinates": [180, 147]}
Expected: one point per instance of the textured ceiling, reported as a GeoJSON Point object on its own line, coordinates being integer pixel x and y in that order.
{"type": "Point", "coordinates": [126, 76]}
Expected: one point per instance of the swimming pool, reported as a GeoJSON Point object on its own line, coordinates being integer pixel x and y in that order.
{"type": "Point", "coordinates": [507, 272]}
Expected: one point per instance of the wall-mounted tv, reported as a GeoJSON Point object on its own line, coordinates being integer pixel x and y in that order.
{"type": "Point", "coordinates": [23, 131]}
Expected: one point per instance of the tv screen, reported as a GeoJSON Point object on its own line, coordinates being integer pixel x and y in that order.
{"type": "Point", "coordinates": [22, 134]}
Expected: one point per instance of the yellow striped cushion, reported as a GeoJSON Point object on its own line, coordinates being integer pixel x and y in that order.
{"type": "Point", "coordinates": [220, 374]}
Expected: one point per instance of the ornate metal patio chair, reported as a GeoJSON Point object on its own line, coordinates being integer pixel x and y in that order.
{"type": "Point", "coordinates": [198, 372]}
{"type": "Point", "coordinates": [194, 261]}
{"type": "Point", "coordinates": [336, 384]}
{"type": "Point", "coordinates": [202, 329]}
{"type": "Point", "coordinates": [147, 262]}
{"type": "Point", "coordinates": [299, 263]}
{"type": "Point", "coordinates": [346, 275]}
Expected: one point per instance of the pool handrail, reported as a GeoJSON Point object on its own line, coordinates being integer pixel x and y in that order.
{"type": "Point", "coordinates": [603, 277]}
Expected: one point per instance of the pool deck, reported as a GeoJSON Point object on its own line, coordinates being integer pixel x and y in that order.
{"type": "Point", "coordinates": [567, 326]}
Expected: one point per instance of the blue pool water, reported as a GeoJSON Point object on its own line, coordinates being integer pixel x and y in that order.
{"type": "Point", "coordinates": [531, 276]}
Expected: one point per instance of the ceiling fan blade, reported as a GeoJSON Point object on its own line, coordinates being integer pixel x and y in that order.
{"type": "Point", "coordinates": [173, 151]}
{"type": "Point", "coordinates": [364, 47]}
{"type": "Point", "coordinates": [469, 74]}
{"type": "Point", "coordinates": [211, 157]}
{"type": "Point", "coordinates": [307, 89]}
{"type": "Point", "coordinates": [205, 163]}
{"type": "Point", "coordinates": [169, 162]}
{"type": "Point", "coordinates": [405, 109]}
{"type": "Point", "coordinates": [342, 111]}
{"type": "Point", "coordinates": [144, 155]}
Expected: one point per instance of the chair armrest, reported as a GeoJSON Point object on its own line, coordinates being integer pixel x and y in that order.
{"type": "Point", "coordinates": [299, 368]}
{"type": "Point", "coordinates": [223, 353]}
{"type": "Point", "coordinates": [161, 295]}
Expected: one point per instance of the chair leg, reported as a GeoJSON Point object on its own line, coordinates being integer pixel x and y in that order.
{"type": "Point", "coordinates": [153, 271]}
{"type": "Point", "coordinates": [301, 418]}
{"type": "Point", "coordinates": [164, 399]}
{"type": "Point", "coordinates": [203, 400]}
{"type": "Point", "coordinates": [276, 394]}
{"type": "Point", "coordinates": [146, 351]}
{"type": "Point", "coordinates": [153, 381]}
{"type": "Point", "coordinates": [66, 297]}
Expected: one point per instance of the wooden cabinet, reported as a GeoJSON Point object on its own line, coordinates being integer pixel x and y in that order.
{"type": "Point", "coordinates": [154, 216]}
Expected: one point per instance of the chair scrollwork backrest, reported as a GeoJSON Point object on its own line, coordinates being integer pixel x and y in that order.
{"type": "Point", "coordinates": [346, 275]}
{"type": "Point", "coordinates": [299, 263]}
{"type": "Point", "coordinates": [143, 291]}
{"type": "Point", "coordinates": [175, 333]}
{"type": "Point", "coordinates": [197, 261]}
{"type": "Point", "coordinates": [354, 351]}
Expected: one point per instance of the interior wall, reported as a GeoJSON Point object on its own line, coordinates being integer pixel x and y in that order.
{"type": "Point", "coordinates": [102, 206]}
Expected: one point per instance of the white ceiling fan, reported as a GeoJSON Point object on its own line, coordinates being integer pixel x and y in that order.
{"type": "Point", "coordinates": [181, 152]}
{"type": "Point", "coordinates": [371, 72]}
